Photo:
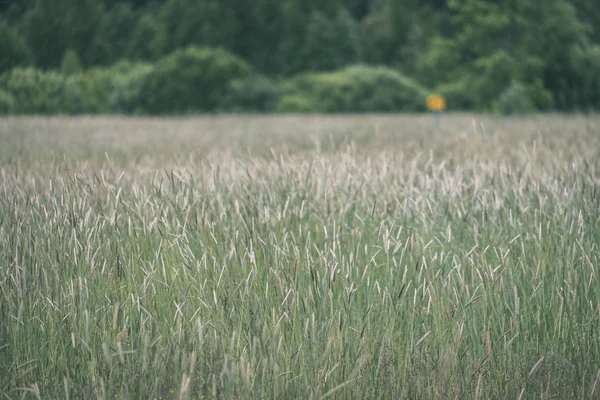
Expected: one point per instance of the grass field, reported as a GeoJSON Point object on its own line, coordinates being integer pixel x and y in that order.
{"type": "Point", "coordinates": [300, 257]}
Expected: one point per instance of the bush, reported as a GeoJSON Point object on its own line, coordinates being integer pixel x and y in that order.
{"type": "Point", "coordinates": [7, 102]}
{"type": "Point", "coordinates": [39, 92]}
{"type": "Point", "coordinates": [115, 89]}
{"type": "Point", "coordinates": [295, 104]}
{"type": "Point", "coordinates": [514, 101]}
{"type": "Point", "coordinates": [459, 95]}
{"type": "Point", "coordinates": [70, 64]}
{"type": "Point", "coordinates": [256, 94]}
{"type": "Point", "coordinates": [356, 89]}
{"type": "Point", "coordinates": [191, 80]}
{"type": "Point", "coordinates": [466, 94]}
{"type": "Point", "coordinates": [128, 84]}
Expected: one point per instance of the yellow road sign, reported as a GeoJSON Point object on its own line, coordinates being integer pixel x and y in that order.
{"type": "Point", "coordinates": [436, 102]}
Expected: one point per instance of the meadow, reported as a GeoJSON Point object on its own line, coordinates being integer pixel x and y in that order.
{"type": "Point", "coordinates": [312, 257]}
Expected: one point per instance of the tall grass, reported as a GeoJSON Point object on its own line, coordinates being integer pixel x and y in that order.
{"type": "Point", "coordinates": [317, 257]}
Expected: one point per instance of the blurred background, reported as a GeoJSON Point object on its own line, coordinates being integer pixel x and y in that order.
{"type": "Point", "coordinates": [199, 56]}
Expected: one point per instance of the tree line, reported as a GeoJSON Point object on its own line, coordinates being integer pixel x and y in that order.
{"type": "Point", "coordinates": [299, 55]}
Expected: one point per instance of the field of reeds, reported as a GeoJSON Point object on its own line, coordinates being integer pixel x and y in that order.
{"type": "Point", "coordinates": [341, 257]}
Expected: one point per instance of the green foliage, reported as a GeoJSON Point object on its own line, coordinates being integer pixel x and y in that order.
{"type": "Point", "coordinates": [555, 33]}
{"type": "Point", "coordinates": [293, 31]}
{"type": "Point", "coordinates": [470, 49]}
{"type": "Point", "coordinates": [295, 103]}
{"type": "Point", "coordinates": [254, 93]}
{"type": "Point", "coordinates": [114, 36]}
{"type": "Point", "coordinates": [438, 61]}
{"type": "Point", "coordinates": [589, 13]}
{"type": "Point", "coordinates": [53, 26]}
{"type": "Point", "coordinates": [15, 10]}
{"type": "Point", "coordinates": [71, 64]}
{"type": "Point", "coordinates": [39, 92]}
{"type": "Point", "coordinates": [113, 90]}
{"type": "Point", "coordinates": [147, 40]}
{"type": "Point", "coordinates": [498, 43]}
{"type": "Point", "coordinates": [331, 43]}
{"type": "Point", "coordinates": [189, 22]}
{"type": "Point", "coordinates": [7, 102]}
{"type": "Point", "coordinates": [14, 51]}
{"type": "Point", "coordinates": [183, 24]}
{"type": "Point", "coordinates": [514, 100]}
{"type": "Point", "coordinates": [458, 94]}
{"type": "Point", "coordinates": [394, 32]}
{"type": "Point", "coordinates": [192, 80]}
{"type": "Point", "coordinates": [584, 92]}
{"type": "Point", "coordinates": [260, 30]}
{"type": "Point", "coordinates": [380, 46]}
{"type": "Point", "coordinates": [358, 89]}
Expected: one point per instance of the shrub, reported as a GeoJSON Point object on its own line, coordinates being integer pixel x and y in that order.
{"type": "Point", "coordinates": [71, 64]}
{"type": "Point", "coordinates": [128, 84]}
{"type": "Point", "coordinates": [358, 89]}
{"type": "Point", "coordinates": [192, 79]}
{"type": "Point", "coordinates": [514, 100]}
{"type": "Point", "coordinates": [459, 95]}
{"type": "Point", "coordinates": [39, 92]}
{"type": "Point", "coordinates": [466, 94]}
{"type": "Point", "coordinates": [115, 89]}
{"type": "Point", "coordinates": [295, 104]}
{"type": "Point", "coordinates": [255, 93]}
{"type": "Point", "coordinates": [7, 102]}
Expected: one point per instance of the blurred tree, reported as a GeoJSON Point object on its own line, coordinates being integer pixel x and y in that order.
{"type": "Point", "coordinates": [311, 30]}
{"type": "Point", "coordinates": [13, 49]}
{"type": "Point", "coordinates": [331, 43]}
{"type": "Point", "coordinates": [148, 39]}
{"type": "Point", "coordinates": [585, 63]}
{"type": "Point", "coordinates": [389, 31]}
{"type": "Point", "coordinates": [358, 8]}
{"type": "Point", "coordinates": [13, 10]}
{"type": "Point", "coordinates": [555, 34]}
{"type": "Point", "coordinates": [497, 43]}
{"type": "Point", "coordinates": [294, 20]}
{"type": "Point", "coordinates": [260, 29]}
{"type": "Point", "coordinates": [589, 12]}
{"type": "Point", "coordinates": [184, 23]}
{"type": "Point", "coordinates": [133, 3]}
{"type": "Point", "coordinates": [252, 30]}
{"type": "Point", "coordinates": [351, 40]}
{"type": "Point", "coordinates": [53, 26]}
{"type": "Point", "coordinates": [112, 40]}
{"type": "Point", "coordinates": [475, 50]}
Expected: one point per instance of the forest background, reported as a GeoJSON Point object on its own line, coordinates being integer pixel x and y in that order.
{"type": "Point", "coordinates": [190, 56]}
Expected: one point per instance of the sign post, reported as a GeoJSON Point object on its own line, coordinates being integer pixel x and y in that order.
{"type": "Point", "coordinates": [436, 104]}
